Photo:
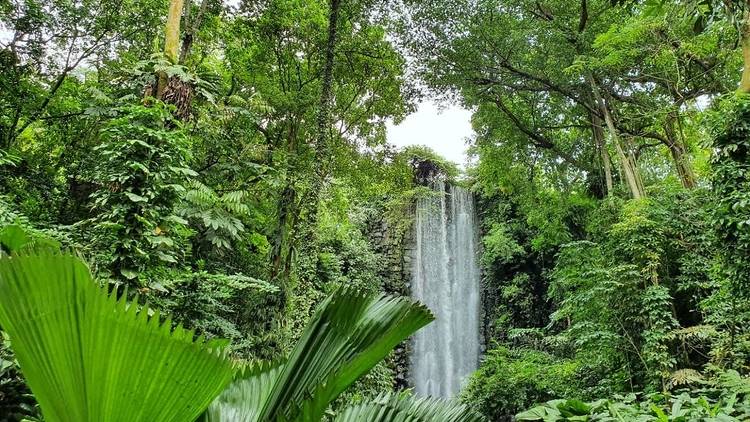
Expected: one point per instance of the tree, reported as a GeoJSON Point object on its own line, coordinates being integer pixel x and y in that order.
{"type": "Point", "coordinates": [545, 65]}
{"type": "Point", "coordinates": [35, 72]}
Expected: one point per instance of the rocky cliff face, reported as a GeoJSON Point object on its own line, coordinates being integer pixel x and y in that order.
{"type": "Point", "coordinates": [395, 244]}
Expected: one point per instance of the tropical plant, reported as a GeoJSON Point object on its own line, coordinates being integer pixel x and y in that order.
{"type": "Point", "coordinates": [708, 405]}
{"type": "Point", "coordinates": [510, 379]}
{"type": "Point", "coordinates": [89, 356]}
{"type": "Point", "coordinates": [95, 357]}
{"type": "Point", "coordinates": [399, 408]}
{"type": "Point", "coordinates": [141, 171]}
{"type": "Point", "coordinates": [216, 215]}
{"type": "Point", "coordinates": [348, 335]}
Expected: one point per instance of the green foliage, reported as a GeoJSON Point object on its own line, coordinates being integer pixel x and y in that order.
{"type": "Point", "coordinates": [731, 185]}
{"type": "Point", "coordinates": [511, 379]}
{"type": "Point", "coordinates": [199, 198]}
{"type": "Point", "coordinates": [16, 400]}
{"type": "Point", "coordinates": [396, 408]}
{"type": "Point", "coordinates": [219, 306]}
{"type": "Point", "coordinates": [217, 216]}
{"type": "Point", "coordinates": [624, 298]}
{"type": "Point", "coordinates": [121, 343]}
{"type": "Point", "coordinates": [141, 168]}
{"type": "Point", "coordinates": [349, 333]}
{"type": "Point", "coordinates": [703, 405]}
{"type": "Point", "coordinates": [425, 164]}
{"type": "Point", "coordinates": [91, 358]}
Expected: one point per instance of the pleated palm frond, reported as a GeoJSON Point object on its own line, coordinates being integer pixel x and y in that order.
{"type": "Point", "coordinates": [244, 398]}
{"type": "Point", "coordinates": [89, 357]}
{"type": "Point", "coordinates": [401, 408]}
{"type": "Point", "coordinates": [348, 335]}
{"type": "Point", "coordinates": [15, 239]}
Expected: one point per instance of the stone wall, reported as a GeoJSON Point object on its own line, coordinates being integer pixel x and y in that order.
{"type": "Point", "coordinates": [394, 245]}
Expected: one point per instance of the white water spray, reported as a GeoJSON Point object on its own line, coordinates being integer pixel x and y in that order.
{"type": "Point", "coordinates": [446, 278]}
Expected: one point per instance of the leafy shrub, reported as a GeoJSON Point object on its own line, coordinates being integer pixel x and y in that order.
{"type": "Point", "coordinates": [218, 305]}
{"type": "Point", "coordinates": [510, 380]}
{"type": "Point", "coordinates": [700, 405]}
{"type": "Point", "coordinates": [16, 400]}
{"type": "Point", "coordinates": [142, 166]}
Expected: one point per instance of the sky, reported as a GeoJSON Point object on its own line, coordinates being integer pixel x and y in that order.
{"type": "Point", "coordinates": [445, 131]}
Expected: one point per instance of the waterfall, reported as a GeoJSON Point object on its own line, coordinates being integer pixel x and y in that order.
{"type": "Point", "coordinates": [445, 277]}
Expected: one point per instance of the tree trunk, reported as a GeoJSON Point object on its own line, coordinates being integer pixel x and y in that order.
{"type": "Point", "coordinates": [679, 152]}
{"type": "Point", "coordinates": [601, 147]}
{"type": "Point", "coordinates": [191, 28]}
{"type": "Point", "coordinates": [289, 208]}
{"type": "Point", "coordinates": [745, 41]}
{"type": "Point", "coordinates": [627, 159]}
{"type": "Point", "coordinates": [171, 42]}
{"type": "Point", "coordinates": [323, 148]}
{"type": "Point", "coordinates": [287, 212]}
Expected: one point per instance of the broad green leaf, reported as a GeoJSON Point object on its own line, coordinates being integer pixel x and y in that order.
{"type": "Point", "coordinates": [540, 413]}
{"type": "Point", "coordinates": [396, 408]}
{"type": "Point", "coordinates": [244, 398]}
{"type": "Point", "coordinates": [89, 357]}
{"type": "Point", "coordinates": [348, 335]}
{"type": "Point", "coordinates": [135, 198]}
{"type": "Point", "coordinates": [13, 238]}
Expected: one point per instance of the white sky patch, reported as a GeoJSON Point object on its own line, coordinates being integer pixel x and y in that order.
{"type": "Point", "coordinates": [446, 131]}
{"type": "Point", "coordinates": [5, 36]}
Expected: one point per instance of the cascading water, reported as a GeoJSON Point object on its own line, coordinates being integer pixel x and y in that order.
{"type": "Point", "coordinates": [446, 278]}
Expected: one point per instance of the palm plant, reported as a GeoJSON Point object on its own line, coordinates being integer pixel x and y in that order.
{"type": "Point", "coordinates": [348, 335]}
{"type": "Point", "coordinates": [90, 357]}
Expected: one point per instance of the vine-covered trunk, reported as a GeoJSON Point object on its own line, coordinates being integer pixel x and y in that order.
{"type": "Point", "coordinates": [323, 144]}
{"type": "Point", "coordinates": [291, 202]}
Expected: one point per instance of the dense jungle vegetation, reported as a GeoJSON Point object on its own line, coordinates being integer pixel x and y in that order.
{"type": "Point", "coordinates": [225, 163]}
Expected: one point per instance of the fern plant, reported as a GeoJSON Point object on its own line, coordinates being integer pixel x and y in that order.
{"type": "Point", "coordinates": [217, 216]}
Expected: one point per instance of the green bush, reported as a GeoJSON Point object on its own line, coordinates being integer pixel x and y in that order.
{"type": "Point", "coordinates": [510, 380]}
{"type": "Point", "coordinates": [727, 401]}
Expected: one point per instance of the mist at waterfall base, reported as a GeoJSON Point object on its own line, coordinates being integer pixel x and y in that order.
{"type": "Point", "coordinates": [446, 278]}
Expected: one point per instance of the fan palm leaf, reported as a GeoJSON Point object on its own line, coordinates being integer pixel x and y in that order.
{"type": "Point", "coordinates": [244, 398]}
{"type": "Point", "coordinates": [400, 408]}
{"type": "Point", "coordinates": [348, 335]}
{"type": "Point", "coordinates": [89, 357]}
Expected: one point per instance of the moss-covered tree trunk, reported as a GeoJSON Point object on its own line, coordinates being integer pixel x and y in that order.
{"type": "Point", "coordinates": [171, 42]}
{"type": "Point", "coordinates": [745, 42]}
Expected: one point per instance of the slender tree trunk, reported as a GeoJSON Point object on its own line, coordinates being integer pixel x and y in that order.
{"type": "Point", "coordinates": [679, 152]}
{"type": "Point", "coordinates": [627, 159]}
{"type": "Point", "coordinates": [171, 42]}
{"type": "Point", "coordinates": [287, 211]}
{"type": "Point", "coordinates": [601, 146]}
{"type": "Point", "coordinates": [323, 143]}
{"type": "Point", "coordinates": [191, 27]}
{"type": "Point", "coordinates": [745, 41]}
